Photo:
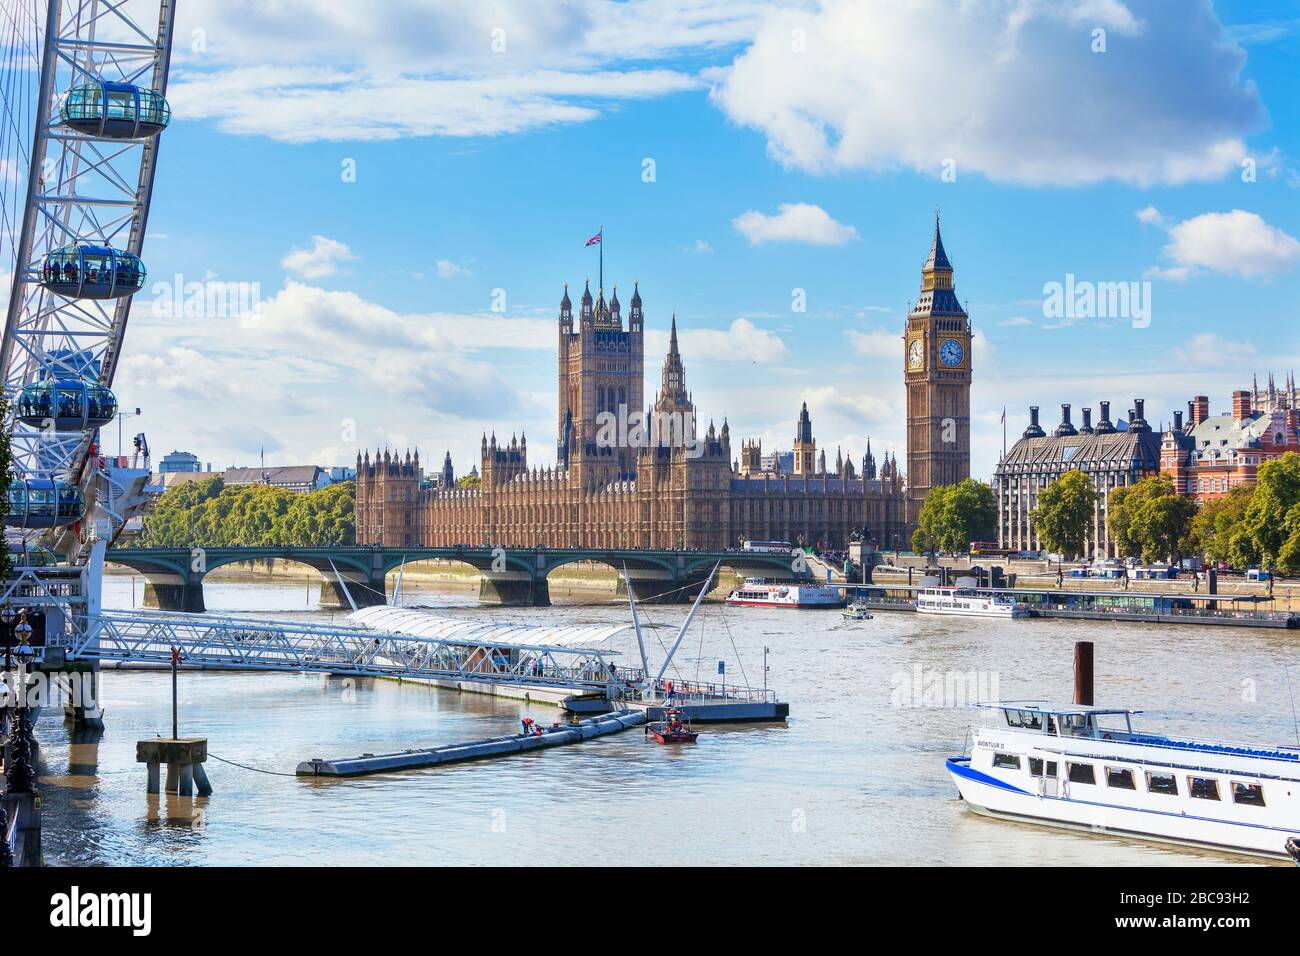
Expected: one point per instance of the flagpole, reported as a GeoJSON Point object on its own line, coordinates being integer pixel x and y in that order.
{"type": "Point", "coordinates": [602, 255]}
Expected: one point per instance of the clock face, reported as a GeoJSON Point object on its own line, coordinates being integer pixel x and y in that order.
{"type": "Point", "coordinates": [914, 354]}
{"type": "Point", "coordinates": [950, 353]}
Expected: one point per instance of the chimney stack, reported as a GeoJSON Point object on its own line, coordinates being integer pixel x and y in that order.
{"type": "Point", "coordinates": [1240, 404]}
{"type": "Point", "coordinates": [1200, 409]}
{"type": "Point", "coordinates": [1178, 421]}
{"type": "Point", "coordinates": [1137, 417]}
{"type": "Point", "coordinates": [1086, 428]}
{"type": "Point", "coordinates": [1065, 428]}
{"type": "Point", "coordinates": [1105, 426]}
{"type": "Point", "coordinates": [1034, 430]}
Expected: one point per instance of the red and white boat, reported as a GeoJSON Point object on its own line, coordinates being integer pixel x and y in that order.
{"type": "Point", "coordinates": [759, 592]}
{"type": "Point", "coordinates": [675, 728]}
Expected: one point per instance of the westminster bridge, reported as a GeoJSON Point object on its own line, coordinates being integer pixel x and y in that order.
{"type": "Point", "coordinates": [514, 576]}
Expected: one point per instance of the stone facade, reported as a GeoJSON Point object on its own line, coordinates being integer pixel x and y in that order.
{"type": "Point", "coordinates": [1113, 455]}
{"type": "Point", "coordinates": [937, 374]}
{"type": "Point", "coordinates": [624, 478]}
{"type": "Point", "coordinates": [1206, 456]}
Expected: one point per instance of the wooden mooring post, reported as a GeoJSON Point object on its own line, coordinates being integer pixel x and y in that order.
{"type": "Point", "coordinates": [1083, 673]}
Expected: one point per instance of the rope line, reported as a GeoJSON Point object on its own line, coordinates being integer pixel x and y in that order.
{"type": "Point", "coordinates": [241, 766]}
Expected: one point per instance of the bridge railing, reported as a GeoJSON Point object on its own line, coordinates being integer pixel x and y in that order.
{"type": "Point", "coordinates": [266, 644]}
{"type": "Point", "coordinates": [685, 692]}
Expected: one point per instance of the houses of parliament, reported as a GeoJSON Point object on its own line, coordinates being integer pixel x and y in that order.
{"type": "Point", "coordinates": [651, 480]}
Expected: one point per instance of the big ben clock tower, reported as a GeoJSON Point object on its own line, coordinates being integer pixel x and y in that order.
{"type": "Point", "coordinates": [936, 371]}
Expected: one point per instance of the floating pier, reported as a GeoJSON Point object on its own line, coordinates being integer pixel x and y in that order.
{"type": "Point", "coordinates": [1130, 606]}
{"type": "Point", "coordinates": [474, 750]}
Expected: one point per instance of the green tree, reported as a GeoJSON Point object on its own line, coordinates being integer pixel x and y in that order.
{"type": "Point", "coordinates": [1150, 519]}
{"type": "Point", "coordinates": [953, 516]}
{"type": "Point", "coordinates": [468, 481]}
{"type": "Point", "coordinates": [1216, 520]}
{"type": "Point", "coordinates": [1065, 512]}
{"type": "Point", "coordinates": [1269, 530]}
{"type": "Point", "coordinates": [207, 514]}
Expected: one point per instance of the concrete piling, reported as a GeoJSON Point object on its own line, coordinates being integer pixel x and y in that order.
{"type": "Point", "coordinates": [184, 759]}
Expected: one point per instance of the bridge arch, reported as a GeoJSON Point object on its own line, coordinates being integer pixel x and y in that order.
{"type": "Point", "coordinates": [174, 576]}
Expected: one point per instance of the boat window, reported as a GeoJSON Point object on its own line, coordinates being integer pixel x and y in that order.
{"type": "Point", "coordinates": [1204, 788]}
{"type": "Point", "coordinates": [1120, 779]}
{"type": "Point", "coordinates": [1251, 794]}
{"type": "Point", "coordinates": [1027, 719]}
{"type": "Point", "coordinates": [1082, 773]}
{"type": "Point", "coordinates": [1077, 724]}
{"type": "Point", "coordinates": [1006, 760]}
{"type": "Point", "coordinates": [1162, 783]}
{"type": "Point", "coordinates": [1036, 767]}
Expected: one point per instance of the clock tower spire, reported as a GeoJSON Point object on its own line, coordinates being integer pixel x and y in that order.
{"type": "Point", "coordinates": [937, 375]}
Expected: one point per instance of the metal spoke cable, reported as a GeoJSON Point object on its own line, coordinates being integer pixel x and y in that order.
{"type": "Point", "coordinates": [735, 650]}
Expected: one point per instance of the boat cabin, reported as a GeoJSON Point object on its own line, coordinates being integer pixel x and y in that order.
{"type": "Point", "coordinates": [1068, 720]}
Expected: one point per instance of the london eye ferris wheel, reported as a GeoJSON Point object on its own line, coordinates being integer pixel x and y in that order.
{"type": "Point", "coordinates": [84, 86]}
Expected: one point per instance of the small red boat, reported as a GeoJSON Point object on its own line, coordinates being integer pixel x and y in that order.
{"type": "Point", "coordinates": [675, 728]}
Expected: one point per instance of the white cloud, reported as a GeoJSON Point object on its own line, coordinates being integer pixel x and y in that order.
{"type": "Point", "coordinates": [311, 358]}
{"type": "Point", "coordinates": [1150, 216]}
{"type": "Point", "coordinates": [878, 344]}
{"type": "Point", "coordinates": [1237, 243]}
{"type": "Point", "coordinates": [401, 68]}
{"type": "Point", "coordinates": [1212, 350]}
{"type": "Point", "coordinates": [449, 270]}
{"type": "Point", "coordinates": [1009, 89]}
{"type": "Point", "coordinates": [796, 222]}
{"type": "Point", "coordinates": [319, 261]}
{"type": "Point", "coordinates": [702, 247]}
{"type": "Point", "coordinates": [461, 35]}
{"type": "Point", "coordinates": [310, 104]}
{"type": "Point", "coordinates": [742, 341]}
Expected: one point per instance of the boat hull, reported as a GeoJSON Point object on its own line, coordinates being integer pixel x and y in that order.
{"type": "Point", "coordinates": [955, 612]}
{"type": "Point", "coordinates": [989, 796]}
{"type": "Point", "coordinates": [666, 738]}
{"type": "Point", "coordinates": [805, 606]}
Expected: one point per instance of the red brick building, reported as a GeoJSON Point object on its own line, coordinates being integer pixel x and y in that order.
{"type": "Point", "coordinates": [1206, 456]}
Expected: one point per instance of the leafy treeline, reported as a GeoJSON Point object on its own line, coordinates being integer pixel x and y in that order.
{"type": "Point", "coordinates": [953, 516]}
{"type": "Point", "coordinates": [207, 514]}
{"type": "Point", "coordinates": [1255, 526]}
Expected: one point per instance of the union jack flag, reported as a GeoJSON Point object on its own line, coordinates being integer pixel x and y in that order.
{"type": "Point", "coordinates": [594, 240]}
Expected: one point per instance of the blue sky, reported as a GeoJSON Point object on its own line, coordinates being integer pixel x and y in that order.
{"type": "Point", "coordinates": [794, 146]}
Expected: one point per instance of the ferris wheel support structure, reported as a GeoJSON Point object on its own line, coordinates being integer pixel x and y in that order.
{"type": "Point", "coordinates": [89, 186]}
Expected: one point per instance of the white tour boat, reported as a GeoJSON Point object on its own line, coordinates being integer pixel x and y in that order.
{"type": "Point", "coordinates": [1086, 768]}
{"type": "Point", "coordinates": [967, 600]}
{"type": "Point", "coordinates": [759, 592]}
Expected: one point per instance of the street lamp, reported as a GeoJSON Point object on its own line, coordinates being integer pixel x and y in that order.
{"type": "Point", "coordinates": [19, 772]}
{"type": "Point", "coordinates": [120, 416]}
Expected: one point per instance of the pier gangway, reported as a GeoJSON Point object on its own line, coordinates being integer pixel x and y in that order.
{"type": "Point", "coordinates": [209, 641]}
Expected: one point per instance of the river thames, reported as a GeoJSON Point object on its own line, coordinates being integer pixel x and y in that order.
{"type": "Point", "coordinates": [856, 776]}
